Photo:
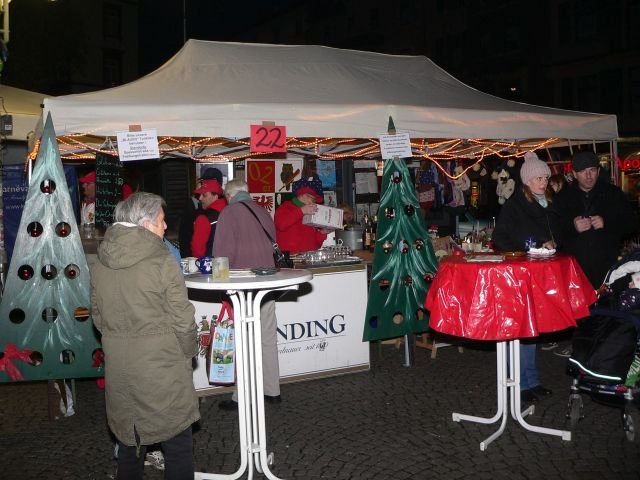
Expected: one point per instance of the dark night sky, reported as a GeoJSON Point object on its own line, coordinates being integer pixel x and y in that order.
{"type": "Point", "coordinates": [163, 28]}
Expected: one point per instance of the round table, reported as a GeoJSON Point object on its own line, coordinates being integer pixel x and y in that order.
{"type": "Point", "coordinates": [246, 296]}
{"type": "Point", "coordinates": [486, 297]}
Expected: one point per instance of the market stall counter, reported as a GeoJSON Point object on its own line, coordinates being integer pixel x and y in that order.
{"type": "Point", "coordinates": [504, 298]}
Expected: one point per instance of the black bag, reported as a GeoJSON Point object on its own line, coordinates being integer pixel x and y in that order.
{"type": "Point", "coordinates": [280, 258]}
{"type": "Point", "coordinates": [604, 345]}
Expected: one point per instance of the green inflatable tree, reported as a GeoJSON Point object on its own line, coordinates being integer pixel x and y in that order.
{"type": "Point", "coordinates": [403, 264]}
{"type": "Point", "coordinates": [45, 327]}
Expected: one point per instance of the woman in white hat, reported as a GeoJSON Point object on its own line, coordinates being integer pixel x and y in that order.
{"type": "Point", "coordinates": [526, 220]}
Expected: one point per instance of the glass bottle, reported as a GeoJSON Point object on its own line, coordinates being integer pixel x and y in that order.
{"type": "Point", "coordinates": [373, 234]}
{"type": "Point", "coordinates": [366, 232]}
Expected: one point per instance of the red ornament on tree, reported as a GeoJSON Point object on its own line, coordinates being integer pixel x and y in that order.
{"type": "Point", "coordinates": [25, 272]}
{"type": "Point", "coordinates": [63, 229]}
{"type": "Point", "coordinates": [34, 229]}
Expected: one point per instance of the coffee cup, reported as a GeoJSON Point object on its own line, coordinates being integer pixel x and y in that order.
{"type": "Point", "coordinates": [221, 268]}
{"type": "Point", "coordinates": [184, 266]}
{"type": "Point", "coordinates": [205, 265]}
{"type": "Point", "coordinates": [188, 265]}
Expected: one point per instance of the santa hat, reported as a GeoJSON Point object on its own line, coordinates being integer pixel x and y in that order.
{"type": "Point", "coordinates": [311, 186]}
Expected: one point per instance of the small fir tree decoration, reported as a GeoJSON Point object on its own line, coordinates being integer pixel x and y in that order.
{"type": "Point", "coordinates": [45, 322]}
{"type": "Point", "coordinates": [403, 264]}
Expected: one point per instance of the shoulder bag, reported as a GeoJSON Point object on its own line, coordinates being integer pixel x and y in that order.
{"type": "Point", "coordinates": [279, 257]}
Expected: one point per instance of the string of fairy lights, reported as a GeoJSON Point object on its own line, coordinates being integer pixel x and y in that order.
{"type": "Point", "coordinates": [81, 147]}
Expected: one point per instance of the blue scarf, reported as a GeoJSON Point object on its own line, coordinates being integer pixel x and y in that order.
{"type": "Point", "coordinates": [241, 196]}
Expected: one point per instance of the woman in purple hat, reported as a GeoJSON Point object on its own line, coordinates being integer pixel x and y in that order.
{"type": "Point", "coordinates": [291, 234]}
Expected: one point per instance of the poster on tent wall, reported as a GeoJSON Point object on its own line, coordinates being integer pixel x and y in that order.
{"type": "Point", "coordinates": [270, 181]}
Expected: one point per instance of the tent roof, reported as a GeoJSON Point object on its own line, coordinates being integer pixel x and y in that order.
{"type": "Point", "coordinates": [216, 89]}
{"type": "Point", "coordinates": [25, 107]}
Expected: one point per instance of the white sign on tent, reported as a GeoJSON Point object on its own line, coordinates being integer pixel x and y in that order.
{"type": "Point", "coordinates": [139, 145]}
{"type": "Point", "coordinates": [398, 145]}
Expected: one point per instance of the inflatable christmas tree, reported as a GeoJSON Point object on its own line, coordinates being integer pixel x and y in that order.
{"type": "Point", "coordinates": [45, 327]}
{"type": "Point", "coordinates": [403, 264]}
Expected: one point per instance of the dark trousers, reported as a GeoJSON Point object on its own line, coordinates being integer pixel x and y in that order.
{"type": "Point", "coordinates": [178, 459]}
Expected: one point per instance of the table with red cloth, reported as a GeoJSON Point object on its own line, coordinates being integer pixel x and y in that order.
{"type": "Point", "coordinates": [517, 297]}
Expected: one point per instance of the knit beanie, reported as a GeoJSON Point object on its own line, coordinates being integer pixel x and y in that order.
{"type": "Point", "coordinates": [533, 167]}
{"type": "Point", "coordinates": [585, 159]}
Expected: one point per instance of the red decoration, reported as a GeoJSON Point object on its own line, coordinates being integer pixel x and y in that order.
{"type": "Point", "coordinates": [12, 353]}
{"type": "Point", "coordinates": [98, 358]}
{"type": "Point", "coordinates": [265, 201]}
{"type": "Point", "coordinates": [261, 176]}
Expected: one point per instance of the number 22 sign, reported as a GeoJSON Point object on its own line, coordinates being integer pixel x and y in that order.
{"type": "Point", "coordinates": [268, 138]}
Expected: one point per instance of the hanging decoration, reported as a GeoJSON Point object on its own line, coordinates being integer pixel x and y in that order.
{"type": "Point", "coordinates": [84, 146]}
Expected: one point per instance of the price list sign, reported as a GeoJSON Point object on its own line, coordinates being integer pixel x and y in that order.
{"type": "Point", "coordinates": [108, 188]}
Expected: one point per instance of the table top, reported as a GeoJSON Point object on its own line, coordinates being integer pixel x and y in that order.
{"type": "Point", "coordinates": [519, 297]}
{"type": "Point", "coordinates": [283, 278]}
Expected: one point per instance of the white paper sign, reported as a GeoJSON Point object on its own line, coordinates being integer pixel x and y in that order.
{"type": "Point", "coordinates": [398, 145]}
{"type": "Point", "coordinates": [138, 145]}
{"type": "Point", "coordinates": [366, 182]}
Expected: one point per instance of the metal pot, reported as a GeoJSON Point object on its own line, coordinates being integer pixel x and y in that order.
{"type": "Point", "coordinates": [352, 238]}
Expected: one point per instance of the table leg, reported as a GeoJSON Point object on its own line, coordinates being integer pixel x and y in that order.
{"type": "Point", "coordinates": [239, 303]}
{"type": "Point", "coordinates": [251, 415]}
{"type": "Point", "coordinates": [515, 398]}
{"type": "Point", "coordinates": [508, 382]}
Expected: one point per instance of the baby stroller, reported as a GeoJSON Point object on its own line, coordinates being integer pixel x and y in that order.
{"type": "Point", "coordinates": [605, 362]}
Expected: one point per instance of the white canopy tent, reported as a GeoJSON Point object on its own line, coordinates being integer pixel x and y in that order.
{"type": "Point", "coordinates": [215, 89]}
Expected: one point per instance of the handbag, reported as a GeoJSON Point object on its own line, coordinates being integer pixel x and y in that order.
{"type": "Point", "coordinates": [280, 258]}
{"type": "Point", "coordinates": [222, 357]}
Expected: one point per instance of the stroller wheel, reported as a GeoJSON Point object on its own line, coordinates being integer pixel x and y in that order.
{"type": "Point", "coordinates": [574, 413]}
{"type": "Point", "coordinates": [630, 422]}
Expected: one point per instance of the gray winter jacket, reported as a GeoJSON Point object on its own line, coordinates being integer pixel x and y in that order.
{"type": "Point", "coordinates": [140, 305]}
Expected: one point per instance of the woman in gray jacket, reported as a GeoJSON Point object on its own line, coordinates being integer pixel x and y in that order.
{"type": "Point", "coordinates": [140, 305]}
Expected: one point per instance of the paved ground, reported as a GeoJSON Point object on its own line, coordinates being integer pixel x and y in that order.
{"type": "Point", "coordinates": [389, 423]}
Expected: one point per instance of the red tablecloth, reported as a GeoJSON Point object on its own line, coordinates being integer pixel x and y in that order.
{"type": "Point", "coordinates": [517, 298]}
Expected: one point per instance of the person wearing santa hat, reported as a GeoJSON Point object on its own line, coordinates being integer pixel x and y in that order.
{"type": "Point", "coordinates": [292, 235]}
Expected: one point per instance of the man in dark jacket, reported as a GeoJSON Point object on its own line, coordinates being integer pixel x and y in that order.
{"type": "Point", "coordinates": [243, 236]}
{"type": "Point", "coordinates": [596, 217]}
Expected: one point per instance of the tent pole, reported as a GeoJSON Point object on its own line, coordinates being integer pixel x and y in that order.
{"type": "Point", "coordinates": [615, 170]}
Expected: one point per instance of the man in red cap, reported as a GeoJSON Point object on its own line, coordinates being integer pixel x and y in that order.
{"type": "Point", "coordinates": [191, 210]}
{"type": "Point", "coordinates": [204, 228]}
{"type": "Point", "coordinates": [88, 206]}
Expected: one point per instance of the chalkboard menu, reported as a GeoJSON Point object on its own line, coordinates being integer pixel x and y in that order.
{"type": "Point", "coordinates": [108, 188]}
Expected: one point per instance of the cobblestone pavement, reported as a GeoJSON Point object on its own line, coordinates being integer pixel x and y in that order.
{"type": "Point", "coordinates": [391, 422]}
